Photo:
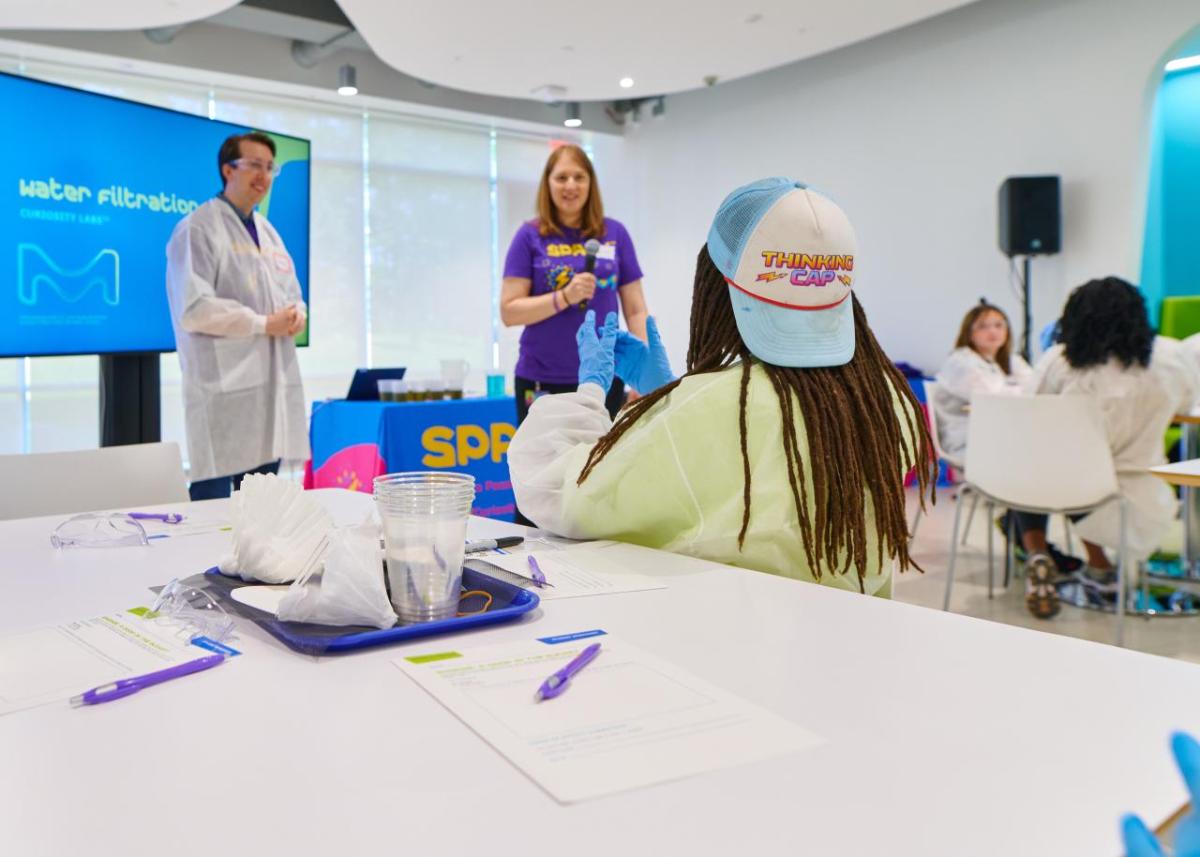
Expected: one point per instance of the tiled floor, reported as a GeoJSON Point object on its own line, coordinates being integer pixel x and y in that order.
{"type": "Point", "coordinates": [1176, 637]}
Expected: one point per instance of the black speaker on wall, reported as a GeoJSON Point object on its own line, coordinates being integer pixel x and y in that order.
{"type": "Point", "coordinates": [1030, 216]}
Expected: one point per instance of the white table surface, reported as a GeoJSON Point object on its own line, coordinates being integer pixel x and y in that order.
{"type": "Point", "coordinates": [1178, 472]}
{"type": "Point", "coordinates": [946, 735]}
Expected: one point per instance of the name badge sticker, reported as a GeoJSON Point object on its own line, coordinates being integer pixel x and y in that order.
{"type": "Point", "coordinates": [607, 251]}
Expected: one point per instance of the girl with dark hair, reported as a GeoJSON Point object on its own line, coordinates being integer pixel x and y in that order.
{"type": "Point", "coordinates": [982, 362]}
{"type": "Point", "coordinates": [783, 447]}
{"type": "Point", "coordinates": [1108, 350]}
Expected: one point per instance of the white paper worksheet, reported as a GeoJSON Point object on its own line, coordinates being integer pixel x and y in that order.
{"type": "Point", "coordinates": [572, 573]}
{"type": "Point", "coordinates": [627, 719]}
{"type": "Point", "coordinates": [53, 664]}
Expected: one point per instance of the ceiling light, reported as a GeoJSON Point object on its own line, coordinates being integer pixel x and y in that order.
{"type": "Point", "coordinates": [572, 120]}
{"type": "Point", "coordinates": [626, 82]}
{"type": "Point", "coordinates": [347, 80]}
{"type": "Point", "coordinates": [1183, 63]}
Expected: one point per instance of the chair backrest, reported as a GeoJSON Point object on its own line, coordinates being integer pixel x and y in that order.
{"type": "Point", "coordinates": [114, 477]}
{"type": "Point", "coordinates": [1180, 317]}
{"type": "Point", "coordinates": [931, 389]}
{"type": "Point", "coordinates": [1048, 452]}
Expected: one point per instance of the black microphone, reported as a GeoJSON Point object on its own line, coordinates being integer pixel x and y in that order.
{"type": "Point", "coordinates": [590, 249]}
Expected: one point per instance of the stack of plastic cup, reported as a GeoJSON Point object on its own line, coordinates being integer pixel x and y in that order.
{"type": "Point", "coordinates": [424, 518]}
{"type": "Point", "coordinates": [454, 377]}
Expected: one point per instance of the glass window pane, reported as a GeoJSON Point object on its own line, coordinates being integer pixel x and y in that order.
{"type": "Point", "coordinates": [431, 270]}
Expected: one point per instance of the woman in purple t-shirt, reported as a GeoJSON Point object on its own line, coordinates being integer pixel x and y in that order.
{"type": "Point", "coordinates": [545, 287]}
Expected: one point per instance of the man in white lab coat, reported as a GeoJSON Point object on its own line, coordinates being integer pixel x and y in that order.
{"type": "Point", "coordinates": [236, 307]}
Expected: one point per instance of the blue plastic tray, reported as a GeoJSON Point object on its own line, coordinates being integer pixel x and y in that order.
{"type": "Point", "coordinates": [509, 601]}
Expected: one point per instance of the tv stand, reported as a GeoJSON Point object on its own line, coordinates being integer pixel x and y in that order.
{"type": "Point", "coordinates": [130, 401]}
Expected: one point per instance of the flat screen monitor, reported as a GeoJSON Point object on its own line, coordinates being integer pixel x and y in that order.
{"type": "Point", "coordinates": [93, 186]}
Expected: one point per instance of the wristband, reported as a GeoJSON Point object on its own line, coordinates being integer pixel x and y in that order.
{"type": "Point", "coordinates": [554, 298]}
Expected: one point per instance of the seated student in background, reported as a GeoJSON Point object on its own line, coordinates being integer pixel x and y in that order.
{"type": "Point", "coordinates": [783, 447]}
{"type": "Point", "coordinates": [1107, 349]}
{"type": "Point", "coordinates": [981, 362]}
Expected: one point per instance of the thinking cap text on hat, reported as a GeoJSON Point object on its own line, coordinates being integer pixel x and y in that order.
{"type": "Point", "coordinates": [787, 253]}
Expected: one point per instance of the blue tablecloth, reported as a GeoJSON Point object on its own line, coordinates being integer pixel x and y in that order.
{"type": "Point", "coordinates": [353, 442]}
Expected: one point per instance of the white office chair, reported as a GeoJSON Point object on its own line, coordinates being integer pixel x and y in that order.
{"type": "Point", "coordinates": [113, 477]}
{"type": "Point", "coordinates": [1046, 454]}
{"type": "Point", "coordinates": [931, 389]}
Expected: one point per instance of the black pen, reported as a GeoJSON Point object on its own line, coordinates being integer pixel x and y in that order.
{"type": "Point", "coordinates": [492, 544]}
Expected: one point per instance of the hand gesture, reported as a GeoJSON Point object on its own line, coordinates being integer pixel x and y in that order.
{"type": "Point", "coordinates": [581, 288]}
{"type": "Point", "coordinates": [641, 366]}
{"type": "Point", "coordinates": [596, 351]}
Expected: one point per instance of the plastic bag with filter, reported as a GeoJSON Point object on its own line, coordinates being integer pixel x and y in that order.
{"type": "Point", "coordinates": [350, 590]}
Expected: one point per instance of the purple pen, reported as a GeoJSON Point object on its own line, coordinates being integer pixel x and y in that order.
{"type": "Point", "coordinates": [165, 517]}
{"type": "Point", "coordinates": [535, 572]}
{"type": "Point", "coordinates": [127, 686]}
{"type": "Point", "coordinates": [558, 682]}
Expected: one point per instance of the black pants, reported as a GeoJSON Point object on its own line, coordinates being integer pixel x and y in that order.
{"type": "Point", "coordinates": [526, 391]}
{"type": "Point", "coordinates": [223, 486]}
{"type": "Point", "coordinates": [1026, 521]}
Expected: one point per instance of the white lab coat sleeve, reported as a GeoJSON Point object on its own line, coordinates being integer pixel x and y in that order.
{"type": "Point", "coordinates": [1179, 366]}
{"type": "Point", "coordinates": [549, 450]}
{"type": "Point", "coordinates": [195, 263]}
{"type": "Point", "coordinates": [1019, 371]}
{"type": "Point", "coordinates": [964, 374]}
{"type": "Point", "coordinates": [1048, 375]}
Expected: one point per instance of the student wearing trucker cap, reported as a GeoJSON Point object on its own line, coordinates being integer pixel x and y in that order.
{"type": "Point", "coordinates": [784, 445]}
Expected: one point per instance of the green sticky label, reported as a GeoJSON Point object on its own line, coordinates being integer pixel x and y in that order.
{"type": "Point", "coordinates": [428, 659]}
{"type": "Point", "coordinates": [144, 612]}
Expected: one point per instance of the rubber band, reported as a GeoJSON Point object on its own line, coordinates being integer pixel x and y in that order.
{"type": "Point", "coordinates": [473, 592]}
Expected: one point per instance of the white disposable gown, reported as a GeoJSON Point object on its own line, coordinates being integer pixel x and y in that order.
{"type": "Point", "coordinates": [1137, 403]}
{"type": "Point", "coordinates": [242, 396]}
{"type": "Point", "coordinates": [965, 373]}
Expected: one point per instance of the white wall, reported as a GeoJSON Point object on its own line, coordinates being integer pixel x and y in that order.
{"type": "Point", "coordinates": [912, 133]}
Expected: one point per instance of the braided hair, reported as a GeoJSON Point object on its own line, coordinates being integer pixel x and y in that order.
{"type": "Point", "coordinates": [859, 442]}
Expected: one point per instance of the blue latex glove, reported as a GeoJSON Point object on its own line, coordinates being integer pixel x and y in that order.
{"type": "Point", "coordinates": [641, 366]}
{"type": "Point", "coordinates": [596, 352]}
{"type": "Point", "coordinates": [1049, 335]}
{"type": "Point", "coordinates": [1139, 841]}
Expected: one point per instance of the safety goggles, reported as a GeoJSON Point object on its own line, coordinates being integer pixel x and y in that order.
{"type": "Point", "coordinates": [98, 530]}
{"type": "Point", "coordinates": [256, 166]}
{"type": "Point", "coordinates": [192, 612]}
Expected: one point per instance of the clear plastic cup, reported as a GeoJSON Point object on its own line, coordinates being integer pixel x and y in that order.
{"type": "Point", "coordinates": [424, 518]}
{"type": "Point", "coordinates": [454, 377]}
{"type": "Point", "coordinates": [390, 390]}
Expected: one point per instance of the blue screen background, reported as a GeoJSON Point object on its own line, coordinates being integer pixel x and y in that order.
{"type": "Point", "coordinates": [84, 274]}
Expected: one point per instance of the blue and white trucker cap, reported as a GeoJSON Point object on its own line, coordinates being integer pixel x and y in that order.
{"type": "Point", "coordinates": [787, 253]}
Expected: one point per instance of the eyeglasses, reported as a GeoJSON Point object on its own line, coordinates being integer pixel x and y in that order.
{"type": "Point", "coordinates": [257, 166]}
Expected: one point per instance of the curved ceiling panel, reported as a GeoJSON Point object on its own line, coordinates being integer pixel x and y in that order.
{"type": "Point", "coordinates": [106, 15]}
{"type": "Point", "coordinates": [664, 46]}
